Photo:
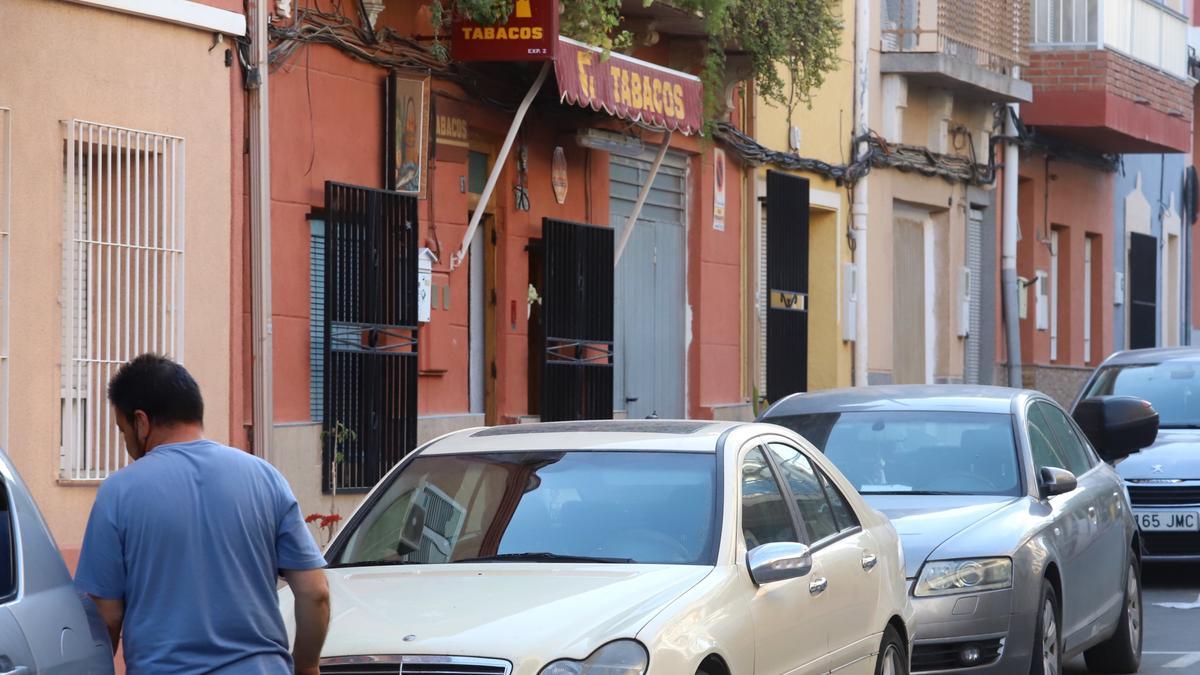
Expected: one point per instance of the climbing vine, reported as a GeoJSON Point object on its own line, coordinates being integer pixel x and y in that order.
{"type": "Point", "coordinates": [791, 44]}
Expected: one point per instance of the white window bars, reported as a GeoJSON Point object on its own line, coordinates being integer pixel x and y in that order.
{"type": "Point", "coordinates": [123, 273]}
{"type": "Point", "coordinates": [6, 169]}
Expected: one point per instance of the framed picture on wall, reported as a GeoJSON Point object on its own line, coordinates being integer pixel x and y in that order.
{"type": "Point", "coordinates": [407, 131]}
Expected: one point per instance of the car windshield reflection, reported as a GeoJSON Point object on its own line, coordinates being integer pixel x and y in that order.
{"type": "Point", "coordinates": [581, 506]}
{"type": "Point", "coordinates": [1172, 388]}
{"type": "Point", "coordinates": [916, 452]}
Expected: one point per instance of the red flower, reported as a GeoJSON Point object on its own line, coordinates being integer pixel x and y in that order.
{"type": "Point", "coordinates": [328, 521]}
{"type": "Point", "coordinates": [313, 517]}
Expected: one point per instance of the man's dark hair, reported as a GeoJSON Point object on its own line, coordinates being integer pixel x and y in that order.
{"type": "Point", "coordinates": [159, 387]}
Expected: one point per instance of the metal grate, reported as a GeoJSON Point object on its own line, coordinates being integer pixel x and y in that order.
{"type": "Point", "coordinates": [787, 284]}
{"type": "Point", "coordinates": [1163, 495]}
{"type": "Point", "coordinates": [370, 324]}
{"type": "Point", "coordinates": [123, 277]}
{"type": "Point", "coordinates": [991, 35]}
{"type": "Point", "coordinates": [6, 165]}
{"type": "Point", "coordinates": [577, 380]}
{"type": "Point", "coordinates": [414, 665]}
{"type": "Point", "coordinates": [316, 321]}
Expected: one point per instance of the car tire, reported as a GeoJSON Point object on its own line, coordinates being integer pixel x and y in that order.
{"type": "Point", "coordinates": [1122, 653]}
{"type": "Point", "coordinates": [1047, 634]}
{"type": "Point", "coordinates": [893, 654]}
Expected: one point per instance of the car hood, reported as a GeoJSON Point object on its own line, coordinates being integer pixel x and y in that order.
{"type": "Point", "coordinates": [925, 522]}
{"type": "Point", "coordinates": [515, 611]}
{"type": "Point", "coordinates": [1176, 453]}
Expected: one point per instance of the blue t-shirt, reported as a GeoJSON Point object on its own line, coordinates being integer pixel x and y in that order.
{"type": "Point", "coordinates": [192, 538]}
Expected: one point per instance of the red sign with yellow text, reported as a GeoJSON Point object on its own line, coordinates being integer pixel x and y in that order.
{"type": "Point", "coordinates": [530, 34]}
{"type": "Point", "coordinates": [628, 88]}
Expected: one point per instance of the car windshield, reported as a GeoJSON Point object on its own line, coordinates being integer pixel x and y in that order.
{"type": "Point", "coordinates": [1172, 388]}
{"type": "Point", "coordinates": [916, 452]}
{"type": "Point", "coordinates": [581, 506]}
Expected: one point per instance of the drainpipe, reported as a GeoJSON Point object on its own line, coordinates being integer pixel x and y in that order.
{"type": "Point", "coordinates": [858, 210]}
{"type": "Point", "coordinates": [260, 232]}
{"type": "Point", "coordinates": [1008, 259]}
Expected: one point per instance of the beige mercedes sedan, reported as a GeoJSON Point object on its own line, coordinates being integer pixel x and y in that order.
{"type": "Point", "coordinates": [648, 547]}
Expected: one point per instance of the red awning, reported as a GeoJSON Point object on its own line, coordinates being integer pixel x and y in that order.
{"type": "Point", "coordinates": [628, 88]}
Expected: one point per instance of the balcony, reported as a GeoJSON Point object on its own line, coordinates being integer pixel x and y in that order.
{"type": "Point", "coordinates": [1111, 75]}
{"type": "Point", "coordinates": [968, 46]}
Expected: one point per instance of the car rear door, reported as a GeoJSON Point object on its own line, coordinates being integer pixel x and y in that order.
{"type": "Point", "coordinates": [14, 648]}
{"type": "Point", "coordinates": [848, 561]}
{"type": "Point", "coordinates": [791, 630]}
{"type": "Point", "coordinates": [45, 627]}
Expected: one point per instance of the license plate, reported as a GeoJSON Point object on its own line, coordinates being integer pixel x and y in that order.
{"type": "Point", "coordinates": [1168, 521]}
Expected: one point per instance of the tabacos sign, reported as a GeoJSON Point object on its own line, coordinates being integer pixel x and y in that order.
{"type": "Point", "coordinates": [529, 34]}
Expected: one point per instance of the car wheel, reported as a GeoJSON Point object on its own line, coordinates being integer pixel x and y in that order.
{"type": "Point", "coordinates": [1047, 637]}
{"type": "Point", "coordinates": [892, 658]}
{"type": "Point", "coordinates": [1122, 653]}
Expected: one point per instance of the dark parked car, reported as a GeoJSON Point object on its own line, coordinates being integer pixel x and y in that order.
{"type": "Point", "coordinates": [1164, 479]}
{"type": "Point", "coordinates": [1020, 548]}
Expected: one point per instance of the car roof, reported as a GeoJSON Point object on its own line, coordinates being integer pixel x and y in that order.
{"type": "Point", "coordinates": [653, 435]}
{"type": "Point", "coordinates": [1154, 355]}
{"type": "Point", "coordinates": [923, 397]}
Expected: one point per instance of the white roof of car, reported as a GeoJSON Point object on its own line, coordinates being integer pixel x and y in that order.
{"type": "Point", "coordinates": [654, 435]}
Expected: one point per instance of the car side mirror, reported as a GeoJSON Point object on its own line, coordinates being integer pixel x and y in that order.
{"type": "Point", "coordinates": [1117, 426]}
{"type": "Point", "coordinates": [778, 562]}
{"type": "Point", "coordinates": [1055, 481]}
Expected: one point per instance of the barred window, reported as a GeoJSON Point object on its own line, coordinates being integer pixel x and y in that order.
{"type": "Point", "coordinates": [123, 265]}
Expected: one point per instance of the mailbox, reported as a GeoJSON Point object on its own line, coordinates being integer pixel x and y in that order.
{"type": "Point", "coordinates": [425, 260]}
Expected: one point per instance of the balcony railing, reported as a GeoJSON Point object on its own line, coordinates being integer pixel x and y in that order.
{"type": "Point", "coordinates": [1152, 32]}
{"type": "Point", "coordinates": [991, 34]}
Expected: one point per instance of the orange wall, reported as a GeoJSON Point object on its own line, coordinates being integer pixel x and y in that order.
{"type": "Point", "coordinates": [1079, 199]}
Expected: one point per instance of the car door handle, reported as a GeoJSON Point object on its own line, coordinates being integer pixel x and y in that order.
{"type": "Point", "coordinates": [818, 586]}
{"type": "Point", "coordinates": [869, 560]}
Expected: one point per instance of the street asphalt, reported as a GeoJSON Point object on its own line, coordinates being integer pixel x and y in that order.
{"type": "Point", "coordinates": [1171, 594]}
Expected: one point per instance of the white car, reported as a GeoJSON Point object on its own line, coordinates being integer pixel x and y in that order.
{"type": "Point", "coordinates": [623, 548]}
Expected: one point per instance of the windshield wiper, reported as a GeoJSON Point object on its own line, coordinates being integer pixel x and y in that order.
{"type": "Point", "coordinates": [373, 563]}
{"type": "Point", "coordinates": [544, 557]}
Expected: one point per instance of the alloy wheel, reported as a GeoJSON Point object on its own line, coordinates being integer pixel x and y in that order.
{"type": "Point", "coordinates": [1133, 608]}
{"type": "Point", "coordinates": [1050, 655]}
{"type": "Point", "coordinates": [891, 661]}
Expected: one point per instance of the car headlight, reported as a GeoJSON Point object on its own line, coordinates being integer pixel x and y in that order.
{"type": "Point", "coordinates": [947, 577]}
{"type": "Point", "coordinates": [623, 657]}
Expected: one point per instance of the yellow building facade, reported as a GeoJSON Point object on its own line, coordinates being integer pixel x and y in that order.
{"type": "Point", "coordinates": [821, 130]}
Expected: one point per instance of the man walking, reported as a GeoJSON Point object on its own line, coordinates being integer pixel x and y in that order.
{"type": "Point", "coordinates": [183, 545]}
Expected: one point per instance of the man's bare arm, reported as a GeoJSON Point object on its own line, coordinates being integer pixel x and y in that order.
{"type": "Point", "coordinates": [311, 591]}
{"type": "Point", "coordinates": [113, 613]}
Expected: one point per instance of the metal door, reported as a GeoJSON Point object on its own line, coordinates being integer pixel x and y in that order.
{"type": "Point", "coordinates": [908, 302]}
{"type": "Point", "coordinates": [787, 285]}
{"type": "Point", "coordinates": [577, 317]}
{"type": "Point", "coordinates": [1143, 291]}
{"type": "Point", "coordinates": [650, 293]}
{"type": "Point", "coordinates": [973, 354]}
{"type": "Point", "coordinates": [370, 419]}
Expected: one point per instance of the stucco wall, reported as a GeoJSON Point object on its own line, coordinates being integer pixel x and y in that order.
{"type": "Point", "coordinates": [111, 69]}
{"type": "Point", "coordinates": [1156, 182]}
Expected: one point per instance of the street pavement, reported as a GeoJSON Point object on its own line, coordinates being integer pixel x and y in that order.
{"type": "Point", "coordinates": [1172, 638]}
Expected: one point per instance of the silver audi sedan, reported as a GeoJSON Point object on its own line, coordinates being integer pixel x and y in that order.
{"type": "Point", "coordinates": [1020, 546]}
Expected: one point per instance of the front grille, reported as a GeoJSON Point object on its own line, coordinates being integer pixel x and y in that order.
{"type": "Point", "coordinates": [1171, 543]}
{"type": "Point", "coordinates": [945, 655]}
{"type": "Point", "coordinates": [1164, 495]}
{"type": "Point", "coordinates": [413, 665]}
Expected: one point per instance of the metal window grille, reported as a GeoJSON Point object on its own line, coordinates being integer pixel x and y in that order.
{"type": "Point", "coordinates": [5, 230]}
{"type": "Point", "coordinates": [316, 322]}
{"type": "Point", "coordinates": [123, 272]}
